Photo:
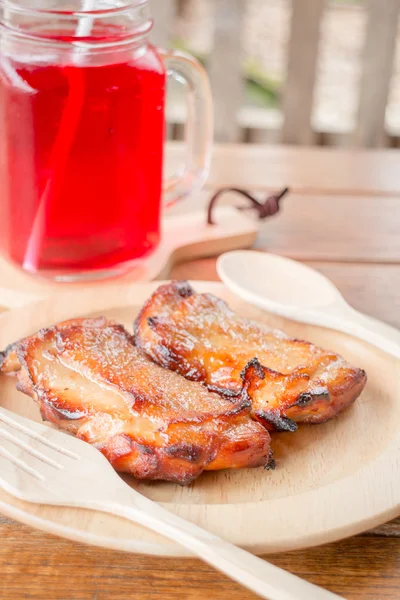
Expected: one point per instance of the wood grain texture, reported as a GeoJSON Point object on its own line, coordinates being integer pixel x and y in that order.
{"type": "Point", "coordinates": [391, 529]}
{"type": "Point", "coordinates": [377, 69]}
{"type": "Point", "coordinates": [328, 227]}
{"type": "Point", "coordinates": [335, 228]}
{"type": "Point", "coordinates": [323, 226]}
{"type": "Point", "coordinates": [298, 92]}
{"type": "Point", "coordinates": [38, 566]}
{"type": "Point", "coordinates": [310, 170]}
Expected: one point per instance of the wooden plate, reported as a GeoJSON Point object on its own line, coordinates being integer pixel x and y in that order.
{"type": "Point", "coordinates": [333, 480]}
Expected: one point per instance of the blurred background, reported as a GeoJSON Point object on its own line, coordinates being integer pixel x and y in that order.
{"type": "Point", "coordinates": [310, 72]}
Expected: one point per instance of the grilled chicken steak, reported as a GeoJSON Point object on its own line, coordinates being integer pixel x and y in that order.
{"type": "Point", "coordinates": [198, 336]}
{"type": "Point", "coordinates": [90, 380]}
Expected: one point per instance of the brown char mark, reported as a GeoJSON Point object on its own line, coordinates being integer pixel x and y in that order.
{"type": "Point", "coordinates": [251, 375]}
{"type": "Point", "coordinates": [278, 422]}
{"type": "Point", "coordinates": [142, 448]}
{"type": "Point", "coordinates": [60, 413]}
{"type": "Point", "coordinates": [225, 392]}
{"type": "Point", "coordinates": [152, 322]}
{"type": "Point", "coordinates": [271, 464]}
{"type": "Point", "coordinates": [188, 452]}
{"type": "Point", "coordinates": [168, 357]}
{"type": "Point", "coordinates": [184, 289]}
{"type": "Point", "coordinates": [304, 399]}
{"type": "Point", "coordinates": [253, 368]}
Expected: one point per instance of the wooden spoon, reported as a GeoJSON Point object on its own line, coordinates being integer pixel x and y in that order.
{"type": "Point", "coordinates": [293, 290]}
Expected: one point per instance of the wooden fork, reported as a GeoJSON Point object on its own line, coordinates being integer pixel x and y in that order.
{"type": "Point", "coordinates": [41, 465]}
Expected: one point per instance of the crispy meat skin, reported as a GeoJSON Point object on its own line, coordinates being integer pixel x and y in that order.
{"type": "Point", "coordinates": [90, 380]}
{"type": "Point", "coordinates": [198, 336]}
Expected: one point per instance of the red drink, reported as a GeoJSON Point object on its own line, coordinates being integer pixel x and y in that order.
{"type": "Point", "coordinates": [81, 167]}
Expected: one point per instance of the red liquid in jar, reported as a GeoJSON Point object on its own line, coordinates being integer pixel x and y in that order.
{"type": "Point", "coordinates": [81, 159]}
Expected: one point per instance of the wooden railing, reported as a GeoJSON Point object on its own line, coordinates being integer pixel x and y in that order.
{"type": "Point", "coordinates": [294, 125]}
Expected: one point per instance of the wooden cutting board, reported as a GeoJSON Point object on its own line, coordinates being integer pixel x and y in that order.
{"type": "Point", "coordinates": [332, 480]}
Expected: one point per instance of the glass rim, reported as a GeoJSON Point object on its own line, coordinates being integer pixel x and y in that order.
{"type": "Point", "coordinates": [98, 13]}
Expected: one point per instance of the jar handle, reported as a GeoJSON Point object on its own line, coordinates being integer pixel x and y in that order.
{"type": "Point", "coordinates": [199, 127]}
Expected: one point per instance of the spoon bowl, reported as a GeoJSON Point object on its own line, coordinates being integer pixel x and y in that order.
{"type": "Point", "coordinates": [295, 291]}
{"type": "Point", "coordinates": [280, 280]}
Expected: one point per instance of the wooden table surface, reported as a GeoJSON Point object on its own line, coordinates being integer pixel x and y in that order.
{"type": "Point", "coordinates": [343, 218]}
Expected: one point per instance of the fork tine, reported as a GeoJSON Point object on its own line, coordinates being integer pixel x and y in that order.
{"type": "Point", "coordinates": [20, 463]}
{"type": "Point", "coordinates": [21, 444]}
{"type": "Point", "coordinates": [35, 436]}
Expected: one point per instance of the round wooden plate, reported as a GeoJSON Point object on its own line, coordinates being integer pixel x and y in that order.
{"type": "Point", "coordinates": [332, 480]}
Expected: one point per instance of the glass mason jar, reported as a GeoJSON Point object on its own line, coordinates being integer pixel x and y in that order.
{"type": "Point", "coordinates": [82, 126]}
